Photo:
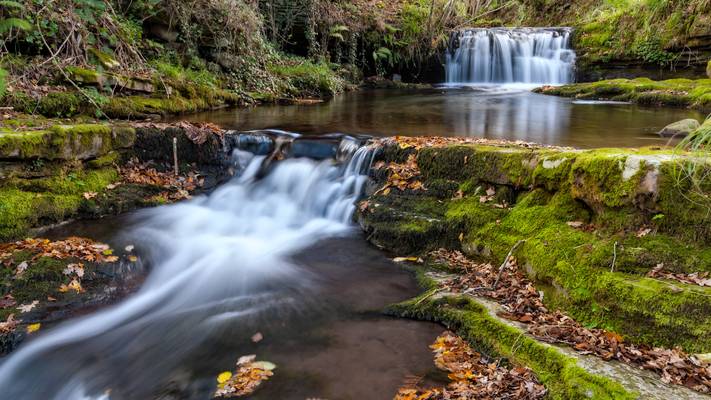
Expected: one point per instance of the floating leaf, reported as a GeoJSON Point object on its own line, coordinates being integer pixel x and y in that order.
{"type": "Point", "coordinates": [224, 377]}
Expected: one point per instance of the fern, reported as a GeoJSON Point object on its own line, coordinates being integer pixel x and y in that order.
{"type": "Point", "coordinates": [337, 32]}
{"type": "Point", "coordinates": [16, 23]}
{"type": "Point", "coordinates": [11, 4]}
{"type": "Point", "coordinates": [13, 23]}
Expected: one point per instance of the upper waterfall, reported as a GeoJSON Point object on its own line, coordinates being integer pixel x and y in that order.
{"type": "Point", "coordinates": [518, 55]}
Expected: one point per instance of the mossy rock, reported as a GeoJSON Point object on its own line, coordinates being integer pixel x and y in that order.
{"type": "Point", "coordinates": [29, 203]}
{"type": "Point", "coordinates": [561, 375]}
{"type": "Point", "coordinates": [575, 209]}
{"type": "Point", "coordinates": [63, 142]}
{"type": "Point", "coordinates": [672, 92]}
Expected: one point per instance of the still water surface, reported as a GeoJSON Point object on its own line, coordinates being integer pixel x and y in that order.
{"type": "Point", "coordinates": [495, 112]}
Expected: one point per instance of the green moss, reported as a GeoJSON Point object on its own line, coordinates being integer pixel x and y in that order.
{"type": "Point", "coordinates": [85, 76]}
{"type": "Point", "coordinates": [29, 203]}
{"type": "Point", "coordinates": [599, 179]}
{"type": "Point", "coordinates": [43, 278]}
{"type": "Point", "coordinates": [610, 191]}
{"type": "Point", "coordinates": [58, 142]}
{"type": "Point", "coordinates": [123, 137]}
{"type": "Point", "coordinates": [559, 373]}
{"type": "Point", "coordinates": [307, 79]}
{"type": "Point", "coordinates": [23, 144]}
{"type": "Point", "coordinates": [105, 161]}
{"type": "Point", "coordinates": [62, 104]}
{"type": "Point", "coordinates": [673, 92]}
{"type": "Point", "coordinates": [198, 100]}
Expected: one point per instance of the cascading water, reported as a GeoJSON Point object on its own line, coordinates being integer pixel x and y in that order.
{"type": "Point", "coordinates": [218, 260]}
{"type": "Point", "coordinates": [521, 55]}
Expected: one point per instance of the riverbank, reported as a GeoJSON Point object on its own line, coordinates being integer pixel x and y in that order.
{"type": "Point", "coordinates": [604, 236]}
{"type": "Point", "coordinates": [687, 93]}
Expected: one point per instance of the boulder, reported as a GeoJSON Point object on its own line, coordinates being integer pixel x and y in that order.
{"type": "Point", "coordinates": [680, 129]}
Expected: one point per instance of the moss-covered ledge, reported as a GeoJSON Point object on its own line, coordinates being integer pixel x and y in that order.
{"type": "Point", "coordinates": [54, 171]}
{"type": "Point", "coordinates": [561, 374]}
{"type": "Point", "coordinates": [595, 223]}
{"type": "Point", "coordinates": [64, 142]}
{"type": "Point", "coordinates": [673, 92]}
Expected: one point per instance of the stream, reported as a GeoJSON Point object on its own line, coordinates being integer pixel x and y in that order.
{"type": "Point", "coordinates": [275, 255]}
{"type": "Point", "coordinates": [488, 111]}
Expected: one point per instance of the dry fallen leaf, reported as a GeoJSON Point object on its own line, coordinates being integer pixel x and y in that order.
{"type": "Point", "coordinates": [74, 285]}
{"type": "Point", "coordinates": [28, 307]}
{"type": "Point", "coordinates": [7, 301]}
{"type": "Point", "coordinates": [249, 375]}
{"type": "Point", "coordinates": [523, 302]}
{"type": "Point", "coordinates": [9, 325]}
{"type": "Point", "coordinates": [22, 267]}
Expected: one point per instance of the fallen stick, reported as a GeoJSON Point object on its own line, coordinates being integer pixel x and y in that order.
{"type": "Point", "coordinates": [506, 262]}
{"type": "Point", "coordinates": [614, 258]}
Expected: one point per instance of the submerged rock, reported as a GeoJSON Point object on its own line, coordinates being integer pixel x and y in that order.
{"type": "Point", "coordinates": [680, 128]}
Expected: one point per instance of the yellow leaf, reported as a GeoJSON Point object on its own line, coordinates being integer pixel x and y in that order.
{"type": "Point", "coordinates": [74, 285]}
{"type": "Point", "coordinates": [224, 377]}
{"type": "Point", "coordinates": [132, 258]}
{"type": "Point", "coordinates": [33, 328]}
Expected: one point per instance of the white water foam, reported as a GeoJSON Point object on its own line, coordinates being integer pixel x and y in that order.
{"type": "Point", "coordinates": [522, 55]}
{"type": "Point", "coordinates": [217, 259]}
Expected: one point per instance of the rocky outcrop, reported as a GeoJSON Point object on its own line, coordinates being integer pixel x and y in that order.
{"type": "Point", "coordinates": [680, 129]}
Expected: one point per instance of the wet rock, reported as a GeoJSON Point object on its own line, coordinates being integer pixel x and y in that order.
{"type": "Point", "coordinates": [257, 143]}
{"type": "Point", "coordinates": [317, 149]}
{"type": "Point", "coordinates": [101, 80]}
{"type": "Point", "coordinates": [680, 128]}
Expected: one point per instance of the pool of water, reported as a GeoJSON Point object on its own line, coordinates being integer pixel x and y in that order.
{"type": "Point", "coordinates": [494, 112]}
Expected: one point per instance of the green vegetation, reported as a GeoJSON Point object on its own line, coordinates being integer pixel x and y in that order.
{"type": "Point", "coordinates": [595, 223]}
{"type": "Point", "coordinates": [673, 92]}
{"type": "Point", "coordinates": [559, 373]}
{"type": "Point", "coordinates": [29, 203]}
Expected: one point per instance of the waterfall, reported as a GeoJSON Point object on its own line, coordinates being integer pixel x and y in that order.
{"type": "Point", "coordinates": [216, 260]}
{"type": "Point", "coordinates": [521, 55]}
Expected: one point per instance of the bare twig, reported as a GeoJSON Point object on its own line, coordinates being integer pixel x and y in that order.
{"type": "Point", "coordinates": [430, 294]}
{"type": "Point", "coordinates": [59, 67]}
{"type": "Point", "coordinates": [614, 258]}
{"type": "Point", "coordinates": [506, 263]}
{"type": "Point", "coordinates": [175, 156]}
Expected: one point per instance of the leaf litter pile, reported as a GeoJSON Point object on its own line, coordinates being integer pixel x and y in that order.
{"type": "Point", "coordinates": [246, 379]}
{"type": "Point", "coordinates": [523, 303]}
{"type": "Point", "coordinates": [178, 187]}
{"type": "Point", "coordinates": [401, 176]}
{"type": "Point", "coordinates": [472, 376]}
{"type": "Point", "coordinates": [419, 142]}
{"type": "Point", "coordinates": [697, 278]}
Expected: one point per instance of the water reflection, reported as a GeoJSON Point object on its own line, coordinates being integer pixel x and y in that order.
{"type": "Point", "coordinates": [515, 116]}
{"type": "Point", "coordinates": [491, 112]}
